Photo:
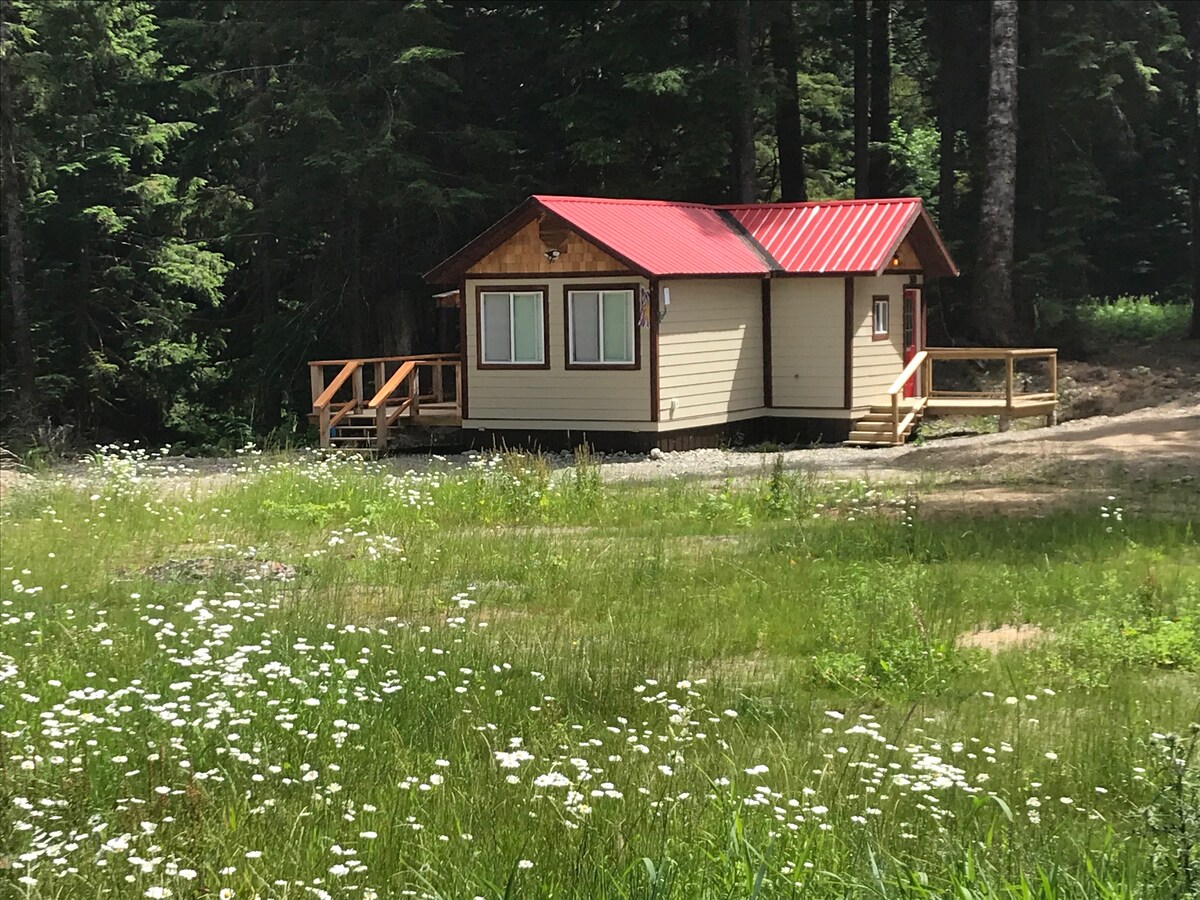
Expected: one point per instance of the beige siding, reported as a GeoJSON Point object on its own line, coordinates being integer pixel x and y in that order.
{"type": "Point", "coordinates": [808, 342]}
{"type": "Point", "coordinates": [877, 363]}
{"type": "Point", "coordinates": [711, 350]}
{"type": "Point", "coordinates": [537, 395]}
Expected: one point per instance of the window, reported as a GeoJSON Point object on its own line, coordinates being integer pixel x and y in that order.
{"type": "Point", "coordinates": [600, 328]}
{"type": "Point", "coordinates": [512, 327]}
{"type": "Point", "coordinates": [881, 314]}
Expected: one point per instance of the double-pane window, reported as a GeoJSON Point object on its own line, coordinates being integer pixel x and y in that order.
{"type": "Point", "coordinates": [514, 328]}
{"type": "Point", "coordinates": [601, 330]}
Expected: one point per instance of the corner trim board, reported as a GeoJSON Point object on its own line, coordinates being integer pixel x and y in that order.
{"type": "Point", "coordinates": [463, 311]}
{"type": "Point", "coordinates": [654, 401]}
{"type": "Point", "coordinates": [848, 367]}
{"type": "Point", "coordinates": [768, 366]}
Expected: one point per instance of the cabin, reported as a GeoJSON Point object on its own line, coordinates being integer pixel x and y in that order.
{"type": "Point", "coordinates": [633, 324]}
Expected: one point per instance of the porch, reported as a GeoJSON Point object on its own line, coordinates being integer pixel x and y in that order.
{"type": "Point", "coordinates": [363, 403]}
{"type": "Point", "coordinates": [892, 423]}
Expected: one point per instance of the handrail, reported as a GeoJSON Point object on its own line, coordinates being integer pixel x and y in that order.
{"type": "Point", "coordinates": [327, 395]}
{"type": "Point", "coordinates": [391, 384]}
{"type": "Point", "coordinates": [909, 371]}
{"type": "Point", "coordinates": [431, 357]}
{"type": "Point", "coordinates": [388, 400]}
{"type": "Point", "coordinates": [346, 409]}
{"type": "Point", "coordinates": [989, 352]}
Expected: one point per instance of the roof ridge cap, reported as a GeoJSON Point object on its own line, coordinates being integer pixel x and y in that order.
{"type": "Point", "coordinates": [541, 198]}
{"type": "Point", "coordinates": [810, 203]}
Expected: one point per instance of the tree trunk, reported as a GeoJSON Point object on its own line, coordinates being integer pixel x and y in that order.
{"type": "Point", "coordinates": [881, 106]}
{"type": "Point", "coordinates": [789, 130]}
{"type": "Point", "coordinates": [1193, 111]}
{"type": "Point", "coordinates": [862, 101]}
{"type": "Point", "coordinates": [993, 274]}
{"type": "Point", "coordinates": [269, 399]}
{"type": "Point", "coordinates": [743, 113]}
{"type": "Point", "coordinates": [947, 96]}
{"type": "Point", "coordinates": [14, 232]}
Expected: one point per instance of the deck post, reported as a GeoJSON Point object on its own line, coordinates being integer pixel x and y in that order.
{"type": "Point", "coordinates": [357, 383]}
{"type": "Point", "coordinates": [414, 391]}
{"type": "Point", "coordinates": [1008, 383]}
{"type": "Point", "coordinates": [458, 386]}
{"type": "Point", "coordinates": [380, 376]}
{"type": "Point", "coordinates": [437, 382]}
{"type": "Point", "coordinates": [323, 424]}
{"type": "Point", "coordinates": [381, 427]}
{"type": "Point", "coordinates": [896, 418]}
{"type": "Point", "coordinates": [316, 375]}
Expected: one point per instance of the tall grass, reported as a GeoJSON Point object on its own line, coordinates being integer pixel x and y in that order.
{"type": "Point", "coordinates": [326, 679]}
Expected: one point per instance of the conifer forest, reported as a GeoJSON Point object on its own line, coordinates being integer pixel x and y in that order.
{"type": "Point", "coordinates": [201, 195]}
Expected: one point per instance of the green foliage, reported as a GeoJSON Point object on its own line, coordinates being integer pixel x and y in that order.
{"type": "Point", "coordinates": [1141, 319]}
{"type": "Point", "coordinates": [1172, 816]}
{"type": "Point", "coordinates": [212, 193]}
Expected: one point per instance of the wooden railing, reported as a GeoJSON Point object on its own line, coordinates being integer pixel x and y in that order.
{"type": "Point", "coordinates": [413, 379]}
{"type": "Point", "coordinates": [1015, 402]}
{"type": "Point", "coordinates": [897, 388]}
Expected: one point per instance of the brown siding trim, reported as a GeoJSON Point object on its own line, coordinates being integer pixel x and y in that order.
{"type": "Point", "coordinates": [848, 368]}
{"type": "Point", "coordinates": [519, 288]}
{"type": "Point", "coordinates": [768, 374]}
{"type": "Point", "coordinates": [633, 288]}
{"type": "Point", "coordinates": [701, 276]}
{"type": "Point", "coordinates": [869, 274]}
{"type": "Point", "coordinates": [588, 273]}
{"type": "Point", "coordinates": [885, 335]}
{"type": "Point", "coordinates": [463, 311]}
{"type": "Point", "coordinates": [654, 374]}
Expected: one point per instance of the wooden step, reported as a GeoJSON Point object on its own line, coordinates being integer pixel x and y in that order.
{"type": "Point", "coordinates": [875, 428]}
{"type": "Point", "coordinates": [873, 438]}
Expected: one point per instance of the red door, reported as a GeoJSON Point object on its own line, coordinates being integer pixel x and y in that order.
{"type": "Point", "coordinates": [912, 333]}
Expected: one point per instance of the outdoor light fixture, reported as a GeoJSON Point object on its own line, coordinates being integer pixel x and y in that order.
{"type": "Point", "coordinates": [552, 255]}
{"type": "Point", "coordinates": [895, 263]}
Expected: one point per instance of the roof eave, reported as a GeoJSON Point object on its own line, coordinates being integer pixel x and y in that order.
{"type": "Point", "coordinates": [451, 269]}
{"type": "Point", "coordinates": [934, 257]}
{"type": "Point", "coordinates": [455, 267]}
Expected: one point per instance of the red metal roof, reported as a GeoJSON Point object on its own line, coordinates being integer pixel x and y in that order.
{"type": "Point", "coordinates": [835, 237]}
{"type": "Point", "coordinates": [661, 237]}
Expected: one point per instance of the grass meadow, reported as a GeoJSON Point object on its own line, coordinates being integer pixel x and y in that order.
{"type": "Point", "coordinates": [327, 679]}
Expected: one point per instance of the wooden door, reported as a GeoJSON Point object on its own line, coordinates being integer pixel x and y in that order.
{"type": "Point", "coordinates": [913, 336]}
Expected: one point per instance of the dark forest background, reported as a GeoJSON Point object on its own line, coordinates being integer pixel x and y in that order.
{"type": "Point", "coordinates": [200, 196]}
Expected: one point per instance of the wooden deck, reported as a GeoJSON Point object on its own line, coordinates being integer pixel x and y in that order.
{"type": "Point", "coordinates": [893, 423]}
{"type": "Point", "coordinates": [371, 399]}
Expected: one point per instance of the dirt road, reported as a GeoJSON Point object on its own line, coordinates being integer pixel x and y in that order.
{"type": "Point", "coordinates": [1159, 443]}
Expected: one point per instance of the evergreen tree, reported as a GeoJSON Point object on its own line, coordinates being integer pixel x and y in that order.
{"type": "Point", "coordinates": [997, 325]}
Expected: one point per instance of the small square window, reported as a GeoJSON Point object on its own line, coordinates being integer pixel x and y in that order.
{"type": "Point", "coordinates": [881, 313]}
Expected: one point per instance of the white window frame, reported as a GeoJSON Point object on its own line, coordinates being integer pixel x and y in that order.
{"type": "Point", "coordinates": [632, 361]}
{"type": "Point", "coordinates": [878, 303]}
{"type": "Point", "coordinates": [512, 338]}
